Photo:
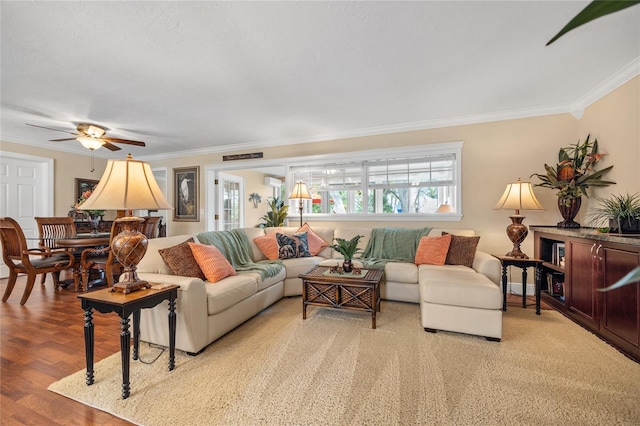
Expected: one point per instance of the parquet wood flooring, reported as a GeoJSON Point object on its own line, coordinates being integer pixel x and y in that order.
{"type": "Point", "coordinates": [42, 342]}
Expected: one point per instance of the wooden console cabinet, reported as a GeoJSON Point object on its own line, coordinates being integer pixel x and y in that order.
{"type": "Point", "coordinates": [592, 261]}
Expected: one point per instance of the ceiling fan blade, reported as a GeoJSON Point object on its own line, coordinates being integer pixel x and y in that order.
{"type": "Point", "coordinates": [127, 141]}
{"type": "Point", "coordinates": [62, 140]}
{"type": "Point", "coordinates": [111, 147]}
{"type": "Point", "coordinates": [49, 128]}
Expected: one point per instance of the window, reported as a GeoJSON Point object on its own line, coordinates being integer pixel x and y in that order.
{"type": "Point", "coordinates": [384, 184]}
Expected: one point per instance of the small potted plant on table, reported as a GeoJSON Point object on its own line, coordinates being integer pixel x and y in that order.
{"type": "Point", "coordinates": [347, 249]}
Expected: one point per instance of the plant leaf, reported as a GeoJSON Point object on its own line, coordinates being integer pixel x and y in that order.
{"type": "Point", "coordinates": [630, 278]}
{"type": "Point", "coordinates": [594, 10]}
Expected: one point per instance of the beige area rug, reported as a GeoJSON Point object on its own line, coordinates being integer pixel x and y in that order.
{"type": "Point", "coordinates": [333, 369]}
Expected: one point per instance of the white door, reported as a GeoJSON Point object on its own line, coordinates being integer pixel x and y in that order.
{"type": "Point", "coordinates": [230, 203]}
{"type": "Point", "coordinates": [26, 184]}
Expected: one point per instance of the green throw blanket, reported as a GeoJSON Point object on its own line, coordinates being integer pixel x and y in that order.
{"type": "Point", "coordinates": [235, 246]}
{"type": "Point", "coordinates": [392, 245]}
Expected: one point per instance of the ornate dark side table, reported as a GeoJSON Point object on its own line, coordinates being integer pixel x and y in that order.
{"type": "Point", "coordinates": [124, 305]}
{"type": "Point", "coordinates": [523, 264]}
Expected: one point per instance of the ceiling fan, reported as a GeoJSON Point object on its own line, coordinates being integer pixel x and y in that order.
{"type": "Point", "coordinates": [92, 137]}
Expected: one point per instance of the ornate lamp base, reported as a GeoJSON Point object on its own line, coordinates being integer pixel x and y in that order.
{"type": "Point", "coordinates": [517, 233]}
{"type": "Point", "coordinates": [129, 247]}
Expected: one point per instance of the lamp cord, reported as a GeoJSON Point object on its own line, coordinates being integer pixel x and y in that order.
{"type": "Point", "coordinates": [162, 349]}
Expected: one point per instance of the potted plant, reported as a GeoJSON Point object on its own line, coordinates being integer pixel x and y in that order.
{"type": "Point", "coordinates": [347, 249]}
{"type": "Point", "coordinates": [277, 215]}
{"type": "Point", "coordinates": [619, 213]}
{"type": "Point", "coordinates": [571, 177]}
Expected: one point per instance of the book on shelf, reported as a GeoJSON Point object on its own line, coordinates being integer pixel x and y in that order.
{"type": "Point", "coordinates": [558, 254]}
{"type": "Point", "coordinates": [555, 284]}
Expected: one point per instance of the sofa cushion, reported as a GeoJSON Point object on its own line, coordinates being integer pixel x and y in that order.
{"type": "Point", "coordinates": [401, 272]}
{"type": "Point", "coordinates": [316, 242]}
{"type": "Point", "coordinates": [180, 260]}
{"type": "Point", "coordinates": [300, 265]}
{"type": "Point", "coordinates": [268, 281]}
{"type": "Point", "coordinates": [229, 291]}
{"type": "Point", "coordinates": [253, 233]}
{"type": "Point", "coordinates": [268, 245]}
{"type": "Point", "coordinates": [433, 250]}
{"type": "Point", "coordinates": [213, 264]}
{"type": "Point", "coordinates": [460, 288]}
{"type": "Point", "coordinates": [462, 250]}
{"type": "Point", "coordinates": [292, 246]}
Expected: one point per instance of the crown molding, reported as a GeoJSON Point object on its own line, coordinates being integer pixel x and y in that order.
{"type": "Point", "coordinates": [628, 72]}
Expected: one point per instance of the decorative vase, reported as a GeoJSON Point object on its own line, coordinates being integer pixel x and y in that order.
{"type": "Point", "coordinates": [94, 219]}
{"type": "Point", "coordinates": [569, 209]}
{"type": "Point", "coordinates": [347, 266]}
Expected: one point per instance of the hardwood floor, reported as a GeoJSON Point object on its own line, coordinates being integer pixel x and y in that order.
{"type": "Point", "coordinates": [42, 342]}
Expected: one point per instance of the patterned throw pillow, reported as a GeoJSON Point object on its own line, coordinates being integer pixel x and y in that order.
{"type": "Point", "coordinates": [180, 261]}
{"type": "Point", "coordinates": [292, 246]}
{"type": "Point", "coordinates": [433, 250]}
{"type": "Point", "coordinates": [213, 263]}
{"type": "Point", "coordinates": [316, 243]}
{"type": "Point", "coordinates": [268, 245]}
{"type": "Point", "coordinates": [462, 250]}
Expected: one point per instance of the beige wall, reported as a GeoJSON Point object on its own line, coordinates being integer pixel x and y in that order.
{"type": "Point", "coordinates": [494, 154]}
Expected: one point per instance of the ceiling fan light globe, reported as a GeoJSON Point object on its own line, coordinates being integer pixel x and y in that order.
{"type": "Point", "coordinates": [90, 143]}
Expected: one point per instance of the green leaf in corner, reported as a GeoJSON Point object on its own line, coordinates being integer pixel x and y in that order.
{"type": "Point", "coordinates": [594, 10]}
{"type": "Point", "coordinates": [630, 278]}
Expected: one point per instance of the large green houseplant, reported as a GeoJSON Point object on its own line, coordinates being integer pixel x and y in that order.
{"type": "Point", "coordinates": [572, 176]}
{"type": "Point", "coordinates": [277, 215]}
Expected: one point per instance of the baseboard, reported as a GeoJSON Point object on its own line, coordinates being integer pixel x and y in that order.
{"type": "Point", "coordinates": [516, 288]}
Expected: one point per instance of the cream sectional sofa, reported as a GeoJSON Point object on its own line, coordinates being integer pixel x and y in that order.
{"type": "Point", "coordinates": [452, 297]}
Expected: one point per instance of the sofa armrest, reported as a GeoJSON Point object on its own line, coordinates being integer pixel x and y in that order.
{"type": "Point", "coordinates": [191, 311]}
{"type": "Point", "coordinates": [487, 265]}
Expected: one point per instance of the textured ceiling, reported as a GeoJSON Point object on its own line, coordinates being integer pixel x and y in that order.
{"type": "Point", "coordinates": [198, 76]}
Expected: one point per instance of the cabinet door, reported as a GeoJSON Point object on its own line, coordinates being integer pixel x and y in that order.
{"type": "Point", "coordinates": [582, 279]}
{"type": "Point", "coordinates": [621, 307]}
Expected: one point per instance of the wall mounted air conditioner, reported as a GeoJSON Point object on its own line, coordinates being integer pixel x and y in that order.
{"type": "Point", "coordinates": [269, 181]}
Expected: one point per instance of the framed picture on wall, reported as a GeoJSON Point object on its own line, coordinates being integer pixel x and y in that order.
{"type": "Point", "coordinates": [84, 187]}
{"type": "Point", "coordinates": [185, 194]}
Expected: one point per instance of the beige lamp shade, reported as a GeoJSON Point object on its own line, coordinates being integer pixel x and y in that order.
{"type": "Point", "coordinates": [300, 192]}
{"type": "Point", "coordinates": [127, 185]}
{"type": "Point", "coordinates": [90, 143]}
{"type": "Point", "coordinates": [519, 196]}
{"type": "Point", "coordinates": [444, 208]}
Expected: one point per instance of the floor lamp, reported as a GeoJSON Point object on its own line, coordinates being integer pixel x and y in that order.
{"type": "Point", "coordinates": [128, 185]}
{"type": "Point", "coordinates": [518, 196]}
{"type": "Point", "coordinates": [300, 193]}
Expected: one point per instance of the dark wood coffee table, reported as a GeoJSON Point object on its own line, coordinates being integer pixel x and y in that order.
{"type": "Point", "coordinates": [342, 291]}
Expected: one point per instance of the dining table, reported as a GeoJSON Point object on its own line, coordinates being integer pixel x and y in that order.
{"type": "Point", "coordinates": [76, 245]}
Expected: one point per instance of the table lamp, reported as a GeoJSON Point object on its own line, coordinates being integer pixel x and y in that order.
{"type": "Point", "coordinates": [518, 196]}
{"type": "Point", "coordinates": [128, 185]}
{"type": "Point", "coordinates": [300, 193]}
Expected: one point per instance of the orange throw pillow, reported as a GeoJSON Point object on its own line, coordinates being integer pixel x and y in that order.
{"type": "Point", "coordinates": [268, 245]}
{"type": "Point", "coordinates": [213, 263]}
{"type": "Point", "coordinates": [433, 250]}
{"type": "Point", "coordinates": [315, 242]}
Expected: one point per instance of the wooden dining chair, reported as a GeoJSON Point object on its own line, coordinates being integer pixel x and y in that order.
{"type": "Point", "coordinates": [16, 255]}
{"type": "Point", "coordinates": [150, 226]}
{"type": "Point", "coordinates": [51, 229]}
{"type": "Point", "coordinates": [103, 259]}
